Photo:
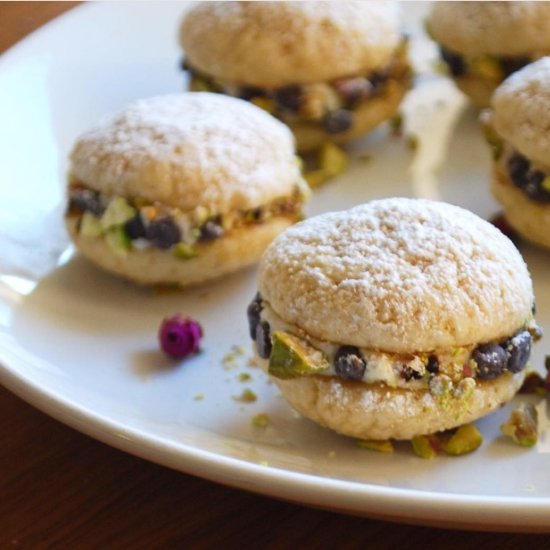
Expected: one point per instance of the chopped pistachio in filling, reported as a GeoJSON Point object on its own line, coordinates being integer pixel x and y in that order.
{"type": "Point", "coordinates": [329, 103]}
{"type": "Point", "coordinates": [290, 352]}
{"type": "Point", "coordinates": [488, 67]}
{"type": "Point", "coordinates": [137, 224]}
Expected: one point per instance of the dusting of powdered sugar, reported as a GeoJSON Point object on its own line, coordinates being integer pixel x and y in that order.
{"type": "Point", "coordinates": [497, 28]}
{"type": "Point", "coordinates": [522, 110]}
{"type": "Point", "coordinates": [399, 275]}
{"type": "Point", "coordinates": [278, 43]}
{"type": "Point", "coordinates": [189, 150]}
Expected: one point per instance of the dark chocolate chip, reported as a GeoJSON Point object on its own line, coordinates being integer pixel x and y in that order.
{"type": "Point", "coordinates": [491, 360]}
{"type": "Point", "coordinates": [519, 349]}
{"type": "Point", "coordinates": [211, 231]}
{"type": "Point", "coordinates": [87, 200]}
{"type": "Point", "coordinates": [454, 61]}
{"type": "Point", "coordinates": [336, 122]}
{"type": "Point", "coordinates": [433, 364]}
{"type": "Point", "coordinates": [289, 97]}
{"type": "Point", "coordinates": [349, 364]}
{"type": "Point", "coordinates": [377, 80]}
{"type": "Point", "coordinates": [163, 233]}
{"type": "Point", "coordinates": [408, 373]}
{"type": "Point", "coordinates": [253, 314]}
{"type": "Point", "coordinates": [527, 178]}
{"type": "Point", "coordinates": [263, 339]}
{"type": "Point", "coordinates": [135, 229]}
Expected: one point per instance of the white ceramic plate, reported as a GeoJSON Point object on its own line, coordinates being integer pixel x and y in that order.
{"type": "Point", "coordinates": [82, 346]}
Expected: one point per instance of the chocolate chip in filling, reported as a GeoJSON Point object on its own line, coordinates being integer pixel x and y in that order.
{"type": "Point", "coordinates": [336, 122]}
{"type": "Point", "coordinates": [87, 200]}
{"type": "Point", "coordinates": [135, 228]}
{"type": "Point", "coordinates": [253, 315]}
{"type": "Point", "coordinates": [163, 233]}
{"type": "Point", "coordinates": [289, 97]}
{"type": "Point", "coordinates": [518, 348]}
{"type": "Point", "coordinates": [454, 61]}
{"type": "Point", "coordinates": [533, 182]}
{"type": "Point", "coordinates": [263, 339]}
{"type": "Point", "coordinates": [433, 364]}
{"type": "Point", "coordinates": [349, 364]}
{"type": "Point", "coordinates": [491, 361]}
{"type": "Point", "coordinates": [211, 230]}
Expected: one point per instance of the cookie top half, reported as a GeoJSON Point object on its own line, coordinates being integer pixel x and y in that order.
{"type": "Point", "coordinates": [399, 275]}
{"type": "Point", "coordinates": [188, 150]}
{"type": "Point", "coordinates": [497, 28]}
{"type": "Point", "coordinates": [521, 110]}
{"type": "Point", "coordinates": [273, 44]}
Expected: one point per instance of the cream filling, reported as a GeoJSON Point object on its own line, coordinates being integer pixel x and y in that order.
{"type": "Point", "coordinates": [388, 368]}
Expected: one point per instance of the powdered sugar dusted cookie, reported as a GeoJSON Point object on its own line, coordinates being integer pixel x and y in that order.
{"type": "Point", "coordinates": [484, 42]}
{"type": "Point", "coordinates": [330, 70]}
{"type": "Point", "coordinates": [518, 130]}
{"type": "Point", "coordinates": [396, 318]}
{"type": "Point", "coordinates": [182, 188]}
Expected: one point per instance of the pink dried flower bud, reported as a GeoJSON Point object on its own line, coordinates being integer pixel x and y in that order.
{"type": "Point", "coordinates": [180, 336]}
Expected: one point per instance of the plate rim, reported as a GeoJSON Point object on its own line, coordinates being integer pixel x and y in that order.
{"type": "Point", "coordinates": [414, 505]}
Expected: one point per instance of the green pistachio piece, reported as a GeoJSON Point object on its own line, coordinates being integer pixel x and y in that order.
{"type": "Point", "coordinates": [315, 178]}
{"type": "Point", "coordinates": [465, 440]}
{"type": "Point", "coordinates": [118, 212]}
{"type": "Point", "coordinates": [118, 240]}
{"type": "Point", "coordinates": [264, 103]}
{"type": "Point", "coordinates": [184, 251]}
{"type": "Point", "coordinates": [381, 446]}
{"type": "Point", "coordinates": [90, 226]}
{"type": "Point", "coordinates": [291, 357]}
{"type": "Point", "coordinates": [333, 159]}
{"type": "Point", "coordinates": [428, 30]}
{"type": "Point", "coordinates": [260, 420]}
{"type": "Point", "coordinates": [423, 446]}
{"type": "Point", "coordinates": [199, 84]}
{"type": "Point", "coordinates": [486, 67]}
{"type": "Point", "coordinates": [522, 426]}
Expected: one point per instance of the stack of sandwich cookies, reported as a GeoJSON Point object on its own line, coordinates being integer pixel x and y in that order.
{"type": "Point", "coordinates": [183, 188]}
{"type": "Point", "coordinates": [394, 319]}
{"type": "Point", "coordinates": [330, 70]}
{"type": "Point", "coordinates": [518, 126]}
{"type": "Point", "coordinates": [482, 43]}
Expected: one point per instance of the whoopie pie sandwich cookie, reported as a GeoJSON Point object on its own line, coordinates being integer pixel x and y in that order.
{"type": "Point", "coordinates": [518, 129]}
{"type": "Point", "coordinates": [182, 188]}
{"type": "Point", "coordinates": [484, 42]}
{"type": "Point", "coordinates": [332, 71]}
{"type": "Point", "coordinates": [397, 318]}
